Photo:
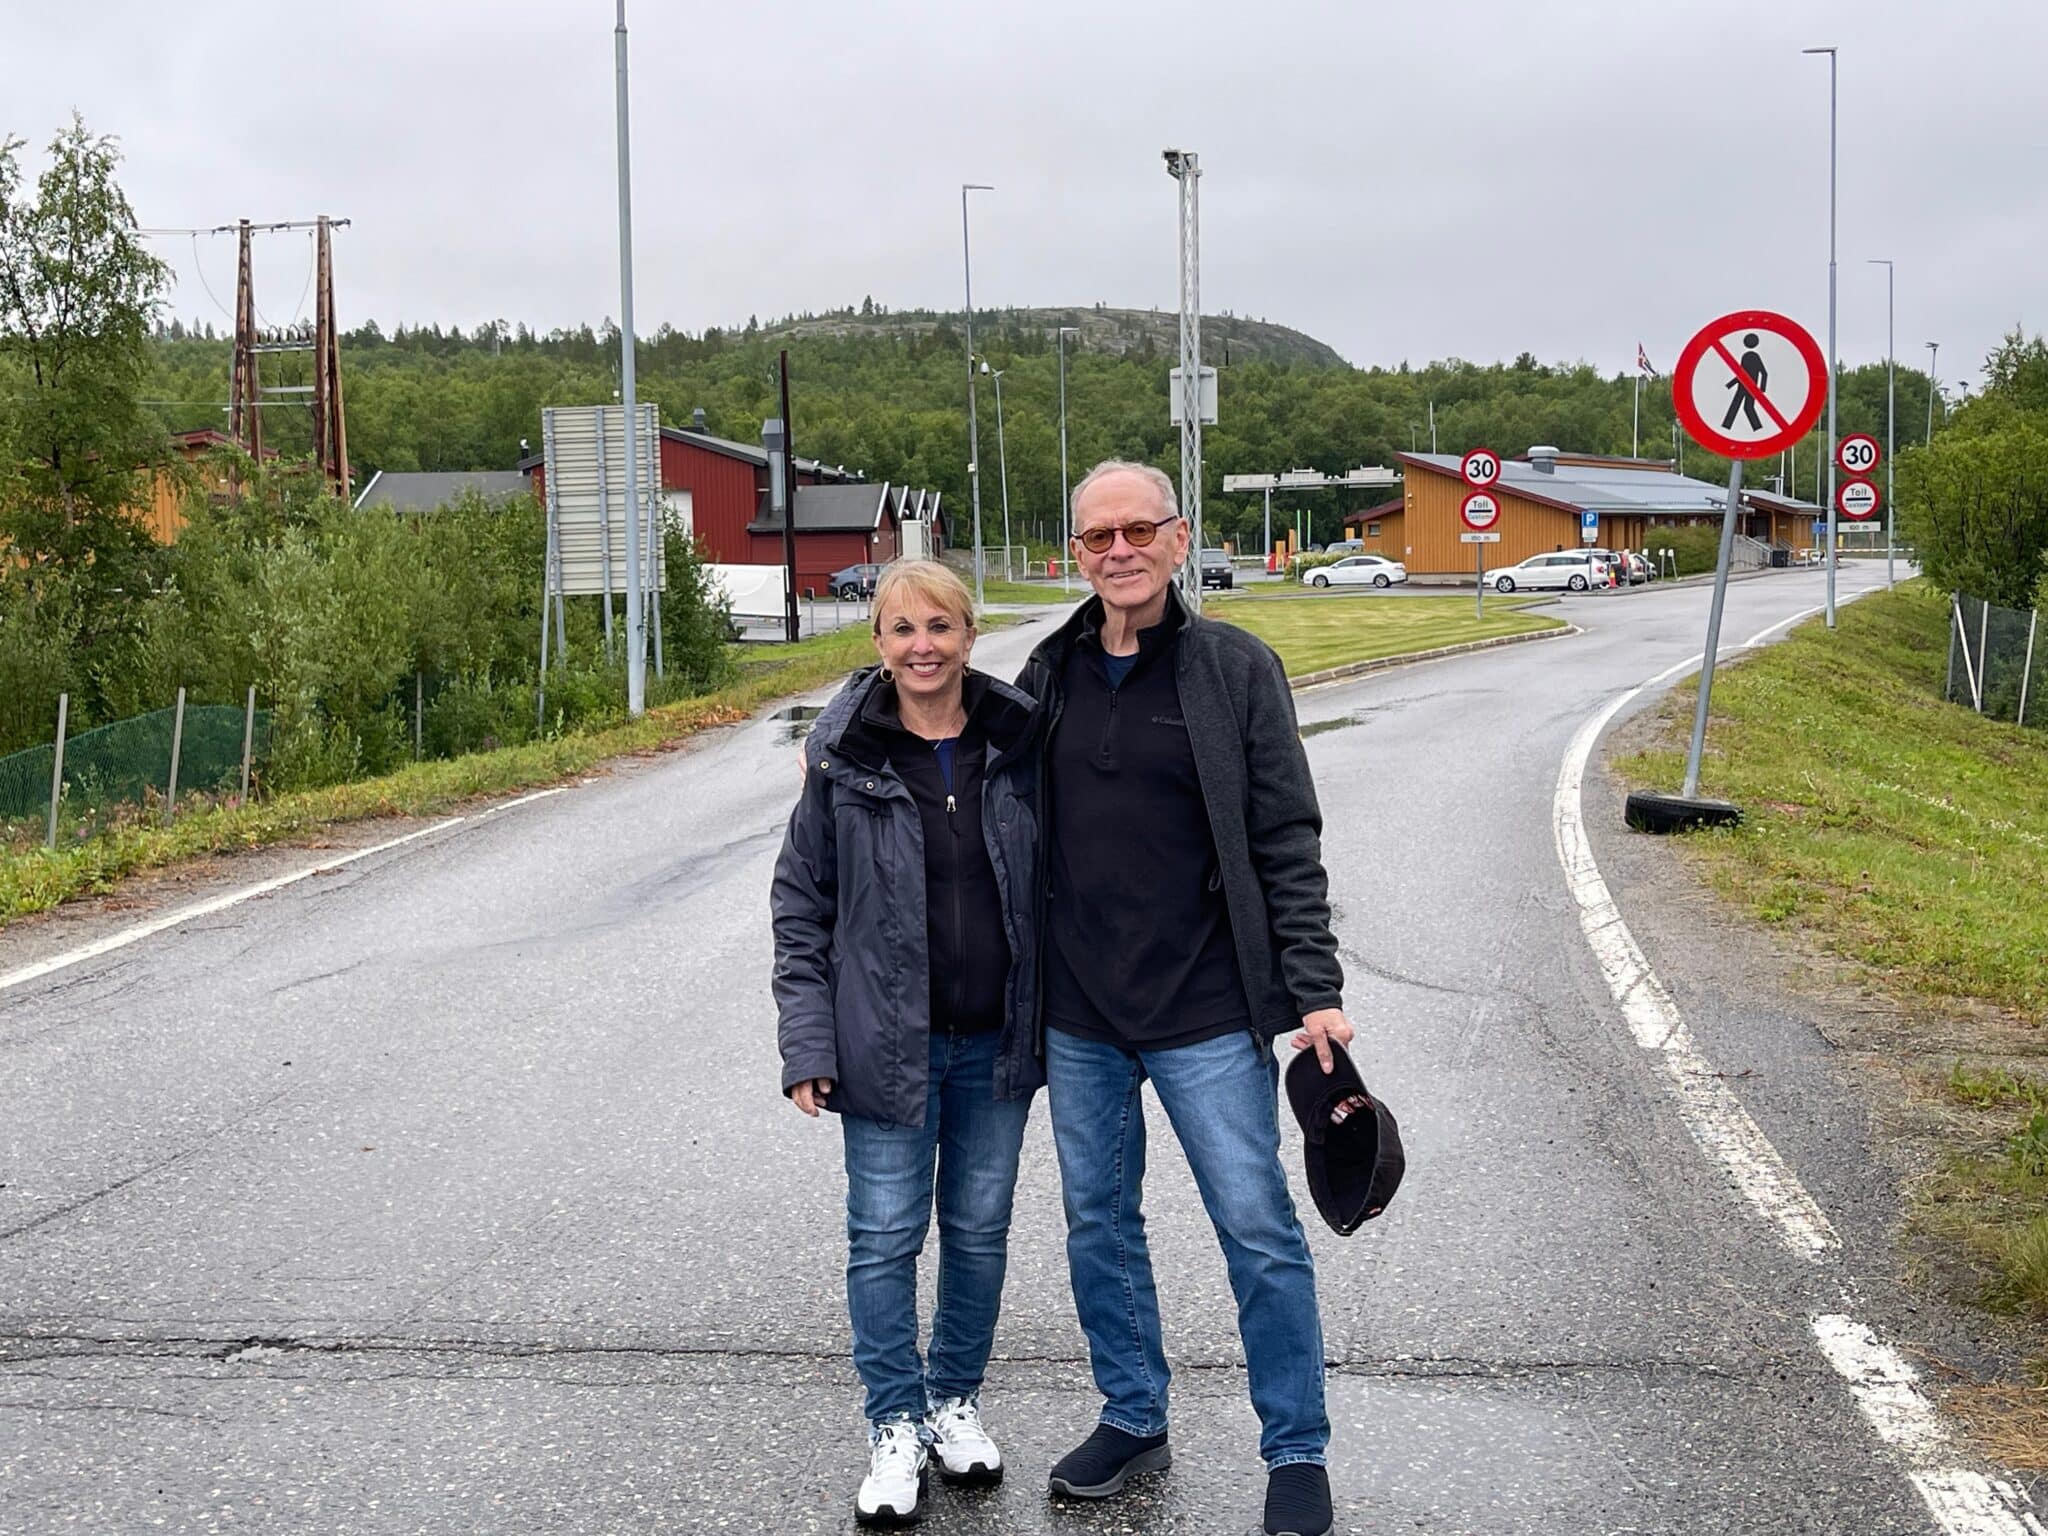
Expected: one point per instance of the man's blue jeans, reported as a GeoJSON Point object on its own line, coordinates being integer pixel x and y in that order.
{"type": "Point", "coordinates": [1222, 1098]}
{"type": "Point", "coordinates": [974, 1143]}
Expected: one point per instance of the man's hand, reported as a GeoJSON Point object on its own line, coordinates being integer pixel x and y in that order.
{"type": "Point", "coordinates": [1318, 1029]}
{"type": "Point", "coordinates": [810, 1097]}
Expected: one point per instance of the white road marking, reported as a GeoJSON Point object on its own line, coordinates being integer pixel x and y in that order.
{"type": "Point", "coordinates": [1884, 1384]}
{"type": "Point", "coordinates": [1710, 1110]}
{"type": "Point", "coordinates": [198, 909]}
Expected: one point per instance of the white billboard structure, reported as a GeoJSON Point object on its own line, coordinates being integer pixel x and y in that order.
{"type": "Point", "coordinates": [754, 592]}
{"type": "Point", "coordinates": [587, 506]}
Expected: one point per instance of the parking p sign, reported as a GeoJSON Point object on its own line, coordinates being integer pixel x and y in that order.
{"type": "Point", "coordinates": [1589, 527]}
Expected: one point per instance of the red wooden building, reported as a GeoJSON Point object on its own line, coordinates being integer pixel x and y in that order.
{"type": "Point", "coordinates": [718, 490]}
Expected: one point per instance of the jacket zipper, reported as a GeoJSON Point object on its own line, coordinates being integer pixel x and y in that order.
{"type": "Point", "coordinates": [959, 917]}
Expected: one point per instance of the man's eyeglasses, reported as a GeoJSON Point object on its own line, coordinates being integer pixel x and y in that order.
{"type": "Point", "coordinates": [1098, 540]}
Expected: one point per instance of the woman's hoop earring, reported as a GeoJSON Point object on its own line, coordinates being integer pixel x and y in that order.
{"type": "Point", "coordinates": [888, 676]}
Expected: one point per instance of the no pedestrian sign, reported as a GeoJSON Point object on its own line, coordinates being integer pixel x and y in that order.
{"type": "Point", "coordinates": [1856, 499]}
{"type": "Point", "coordinates": [1480, 510]}
{"type": "Point", "coordinates": [1480, 469]}
{"type": "Point", "coordinates": [1750, 384]}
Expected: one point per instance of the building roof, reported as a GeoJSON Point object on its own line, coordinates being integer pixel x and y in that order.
{"type": "Point", "coordinates": [832, 509]}
{"type": "Point", "coordinates": [405, 491]}
{"type": "Point", "coordinates": [1771, 501]}
{"type": "Point", "coordinates": [1593, 487]}
{"type": "Point", "coordinates": [751, 453]}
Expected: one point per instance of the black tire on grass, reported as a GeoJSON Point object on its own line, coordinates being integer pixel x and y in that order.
{"type": "Point", "coordinates": [1648, 811]}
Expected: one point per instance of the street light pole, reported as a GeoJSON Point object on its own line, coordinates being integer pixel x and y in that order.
{"type": "Point", "coordinates": [636, 609]}
{"type": "Point", "coordinates": [1891, 418]}
{"type": "Point", "coordinates": [1184, 166]}
{"type": "Point", "coordinates": [1002, 467]}
{"type": "Point", "coordinates": [1066, 509]}
{"type": "Point", "coordinates": [1832, 558]}
{"type": "Point", "coordinates": [973, 416]}
{"type": "Point", "coordinates": [1933, 352]}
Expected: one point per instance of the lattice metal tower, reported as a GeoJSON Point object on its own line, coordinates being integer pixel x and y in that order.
{"type": "Point", "coordinates": [1185, 167]}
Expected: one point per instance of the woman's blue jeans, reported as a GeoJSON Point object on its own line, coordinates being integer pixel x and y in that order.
{"type": "Point", "coordinates": [1222, 1097]}
{"type": "Point", "coordinates": [967, 1150]}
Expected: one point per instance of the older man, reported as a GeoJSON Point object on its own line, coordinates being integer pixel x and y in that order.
{"type": "Point", "coordinates": [1188, 926]}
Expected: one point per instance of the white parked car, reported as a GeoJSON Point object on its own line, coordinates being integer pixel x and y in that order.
{"type": "Point", "coordinates": [1358, 571]}
{"type": "Point", "coordinates": [1572, 570]}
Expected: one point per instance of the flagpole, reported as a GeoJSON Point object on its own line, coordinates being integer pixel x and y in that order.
{"type": "Point", "coordinates": [1635, 439]}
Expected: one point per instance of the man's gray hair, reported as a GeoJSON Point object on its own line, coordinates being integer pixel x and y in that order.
{"type": "Point", "coordinates": [1169, 504]}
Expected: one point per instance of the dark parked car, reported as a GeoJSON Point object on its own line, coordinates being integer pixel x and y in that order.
{"type": "Point", "coordinates": [1216, 570]}
{"type": "Point", "coordinates": [855, 582]}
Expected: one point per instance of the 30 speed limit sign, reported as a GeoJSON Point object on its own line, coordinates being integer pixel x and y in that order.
{"type": "Point", "coordinates": [1480, 468]}
{"type": "Point", "coordinates": [1858, 453]}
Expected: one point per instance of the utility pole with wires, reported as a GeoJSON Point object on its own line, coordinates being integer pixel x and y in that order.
{"type": "Point", "coordinates": [246, 394]}
{"type": "Point", "coordinates": [245, 418]}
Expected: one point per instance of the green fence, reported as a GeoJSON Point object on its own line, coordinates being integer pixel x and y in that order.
{"type": "Point", "coordinates": [129, 758]}
{"type": "Point", "coordinates": [1998, 660]}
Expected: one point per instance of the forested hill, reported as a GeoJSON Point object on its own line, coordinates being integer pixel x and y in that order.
{"type": "Point", "coordinates": [885, 392]}
{"type": "Point", "coordinates": [1226, 338]}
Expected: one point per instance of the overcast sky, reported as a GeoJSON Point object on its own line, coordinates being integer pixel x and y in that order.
{"type": "Point", "coordinates": [1404, 181]}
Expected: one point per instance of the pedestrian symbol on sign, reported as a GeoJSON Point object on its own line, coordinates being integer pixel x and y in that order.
{"type": "Point", "coordinates": [1757, 374]}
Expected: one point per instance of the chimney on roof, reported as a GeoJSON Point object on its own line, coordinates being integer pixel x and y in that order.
{"type": "Point", "coordinates": [1543, 460]}
{"type": "Point", "coordinates": [698, 421]}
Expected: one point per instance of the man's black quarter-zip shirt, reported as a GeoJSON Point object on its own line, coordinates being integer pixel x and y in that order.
{"type": "Point", "coordinates": [1138, 943]}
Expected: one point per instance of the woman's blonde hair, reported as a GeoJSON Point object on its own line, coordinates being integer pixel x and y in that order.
{"type": "Point", "coordinates": [912, 580]}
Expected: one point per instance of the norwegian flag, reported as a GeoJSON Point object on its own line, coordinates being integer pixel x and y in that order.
{"type": "Point", "coordinates": [1643, 361]}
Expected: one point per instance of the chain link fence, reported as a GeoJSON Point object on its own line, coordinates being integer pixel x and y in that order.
{"type": "Point", "coordinates": [1998, 660]}
{"type": "Point", "coordinates": [130, 759]}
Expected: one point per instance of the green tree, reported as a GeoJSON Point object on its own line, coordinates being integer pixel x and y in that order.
{"type": "Point", "coordinates": [78, 296]}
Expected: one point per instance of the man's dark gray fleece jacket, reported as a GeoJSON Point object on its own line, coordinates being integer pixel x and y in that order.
{"type": "Point", "coordinates": [1261, 805]}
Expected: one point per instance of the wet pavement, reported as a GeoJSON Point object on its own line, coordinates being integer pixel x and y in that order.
{"type": "Point", "coordinates": [452, 1191]}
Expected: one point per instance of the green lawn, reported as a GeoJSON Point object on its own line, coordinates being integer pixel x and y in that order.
{"type": "Point", "coordinates": [995, 591]}
{"type": "Point", "coordinates": [1900, 831]}
{"type": "Point", "coordinates": [1324, 632]}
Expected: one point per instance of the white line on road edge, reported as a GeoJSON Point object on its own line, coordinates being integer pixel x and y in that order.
{"type": "Point", "coordinates": [1710, 1110]}
{"type": "Point", "coordinates": [1887, 1389]}
{"type": "Point", "coordinates": [213, 904]}
{"type": "Point", "coordinates": [1884, 1385]}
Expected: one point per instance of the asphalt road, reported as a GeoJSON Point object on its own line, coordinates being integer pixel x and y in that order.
{"type": "Point", "coordinates": [451, 1190]}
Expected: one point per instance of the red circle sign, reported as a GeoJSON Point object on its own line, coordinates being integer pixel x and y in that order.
{"type": "Point", "coordinates": [1858, 453]}
{"type": "Point", "coordinates": [1749, 384]}
{"type": "Point", "coordinates": [1480, 510]}
{"type": "Point", "coordinates": [1856, 499]}
{"type": "Point", "coordinates": [1480, 468]}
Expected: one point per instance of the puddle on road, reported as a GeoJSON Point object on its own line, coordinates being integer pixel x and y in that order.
{"type": "Point", "coordinates": [797, 719]}
{"type": "Point", "coordinates": [1341, 722]}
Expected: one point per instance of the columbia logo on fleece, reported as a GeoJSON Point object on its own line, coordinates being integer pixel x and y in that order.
{"type": "Point", "coordinates": [1176, 723]}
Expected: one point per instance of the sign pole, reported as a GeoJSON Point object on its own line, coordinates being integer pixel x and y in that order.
{"type": "Point", "coordinates": [1699, 717]}
{"type": "Point", "coordinates": [1479, 585]}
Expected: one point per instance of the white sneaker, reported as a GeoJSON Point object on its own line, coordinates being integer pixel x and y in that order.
{"type": "Point", "coordinates": [964, 1451]}
{"type": "Point", "coordinates": [897, 1471]}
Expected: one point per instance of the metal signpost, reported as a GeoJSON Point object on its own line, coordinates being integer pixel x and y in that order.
{"type": "Point", "coordinates": [1589, 528]}
{"type": "Point", "coordinates": [1749, 385]}
{"type": "Point", "coordinates": [1480, 510]}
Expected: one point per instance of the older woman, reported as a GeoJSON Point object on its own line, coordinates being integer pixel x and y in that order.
{"type": "Point", "coordinates": [905, 980]}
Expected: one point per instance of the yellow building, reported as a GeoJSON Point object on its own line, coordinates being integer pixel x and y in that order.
{"type": "Point", "coordinates": [1544, 496]}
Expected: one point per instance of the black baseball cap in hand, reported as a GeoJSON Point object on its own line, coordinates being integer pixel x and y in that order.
{"type": "Point", "coordinates": [1352, 1145]}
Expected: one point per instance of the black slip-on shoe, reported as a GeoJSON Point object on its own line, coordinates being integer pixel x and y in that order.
{"type": "Point", "coordinates": [1298, 1501]}
{"type": "Point", "coordinates": [1100, 1465]}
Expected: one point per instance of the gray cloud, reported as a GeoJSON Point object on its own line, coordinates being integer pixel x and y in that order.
{"type": "Point", "coordinates": [1411, 182]}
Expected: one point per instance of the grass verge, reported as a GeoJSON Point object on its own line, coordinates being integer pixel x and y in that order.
{"type": "Point", "coordinates": [1317, 633]}
{"type": "Point", "coordinates": [33, 880]}
{"type": "Point", "coordinates": [1029, 592]}
{"type": "Point", "coordinates": [1908, 838]}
